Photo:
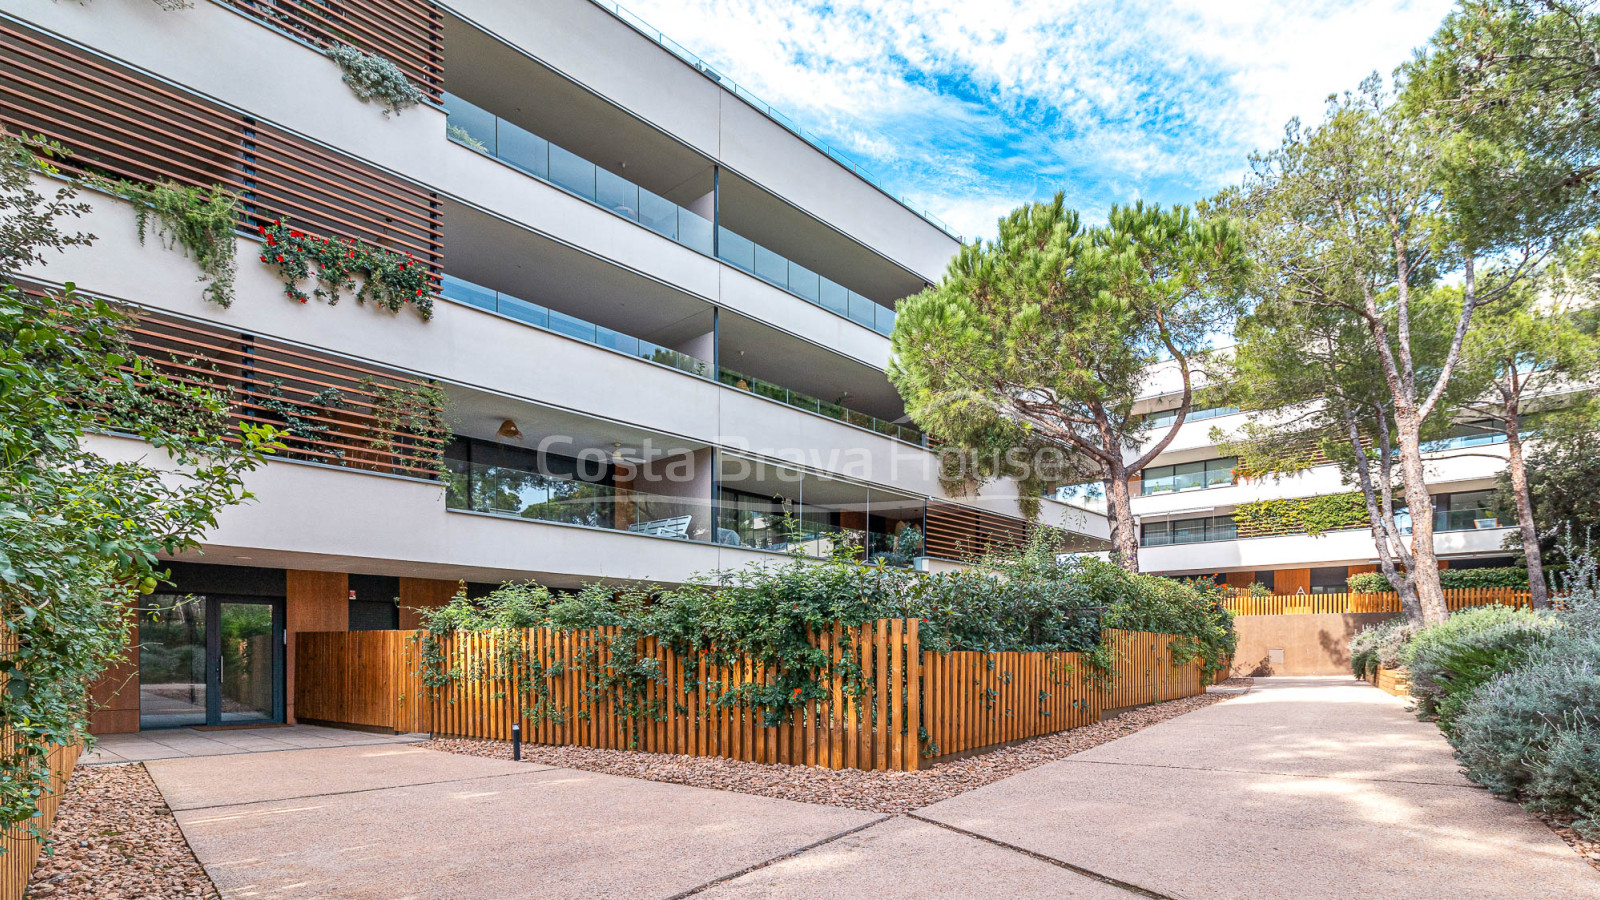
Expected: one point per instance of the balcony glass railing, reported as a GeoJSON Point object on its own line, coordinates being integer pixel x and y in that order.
{"type": "Point", "coordinates": [822, 407]}
{"type": "Point", "coordinates": [743, 253]}
{"type": "Point", "coordinates": [1464, 519]}
{"type": "Point", "coordinates": [1459, 441]}
{"type": "Point", "coordinates": [517, 492]}
{"type": "Point", "coordinates": [477, 128]}
{"type": "Point", "coordinates": [462, 291]}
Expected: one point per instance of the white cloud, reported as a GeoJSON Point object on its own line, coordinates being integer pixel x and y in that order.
{"type": "Point", "coordinates": [971, 108]}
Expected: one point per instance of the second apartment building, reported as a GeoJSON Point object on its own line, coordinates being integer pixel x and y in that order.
{"type": "Point", "coordinates": [657, 338]}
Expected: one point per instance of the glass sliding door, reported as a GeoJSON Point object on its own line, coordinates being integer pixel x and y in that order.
{"type": "Point", "coordinates": [209, 660]}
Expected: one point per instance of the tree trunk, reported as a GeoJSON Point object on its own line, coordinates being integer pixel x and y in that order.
{"type": "Point", "coordinates": [1424, 563]}
{"type": "Point", "coordinates": [1124, 533]}
{"type": "Point", "coordinates": [1525, 523]}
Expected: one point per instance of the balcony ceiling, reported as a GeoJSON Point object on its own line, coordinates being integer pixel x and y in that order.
{"type": "Point", "coordinates": [485, 71]}
{"type": "Point", "coordinates": [497, 254]}
{"type": "Point", "coordinates": [751, 348]}
{"type": "Point", "coordinates": [479, 414]}
{"type": "Point", "coordinates": [749, 210]}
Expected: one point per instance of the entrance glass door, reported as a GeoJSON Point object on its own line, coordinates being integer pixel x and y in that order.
{"type": "Point", "coordinates": [210, 661]}
{"type": "Point", "coordinates": [245, 667]}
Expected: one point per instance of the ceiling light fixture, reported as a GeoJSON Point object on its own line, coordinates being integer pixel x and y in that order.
{"type": "Point", "coordinates": [508, 429]}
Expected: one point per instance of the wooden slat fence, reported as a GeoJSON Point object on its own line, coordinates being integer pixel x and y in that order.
{"type": "Point", "coordinates": [974, 700]}
{"type": "Point", "coordinates": [409, 33]}
{"type": "Point", "coordinates": [1309, 604]}
{"type": "Point", "coordinates": [884, 704]}
{"type": "Point", "coordinates": [21, 848]}
{"type": "Point", "coordinates": [1146, 670]}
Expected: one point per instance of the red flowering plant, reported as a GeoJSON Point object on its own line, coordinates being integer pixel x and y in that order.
{"type": "Point", "coordinates": [388, 278]}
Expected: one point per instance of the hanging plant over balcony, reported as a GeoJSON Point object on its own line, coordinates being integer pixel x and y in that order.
{"type": "Point", "coordinates": [409, 419]}
{"type": "Point", "coordinates": [371, 77]}
{"type": "Point", "coordinates": [200, 220]}
{"type": "Point", "coordinates": [389, 279]}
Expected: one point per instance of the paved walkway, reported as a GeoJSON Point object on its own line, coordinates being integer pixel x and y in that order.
{"type": "Point", "coordinates": [1317, 788]}
{"type": "Point", "coordinates": [174, 743]}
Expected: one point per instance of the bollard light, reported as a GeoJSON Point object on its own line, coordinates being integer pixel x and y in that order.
{"type": "Point", "coordinates": [516, 742]}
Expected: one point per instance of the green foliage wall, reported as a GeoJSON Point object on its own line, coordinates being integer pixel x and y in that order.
{"type": "Point", "coordinates": [1307, 515]}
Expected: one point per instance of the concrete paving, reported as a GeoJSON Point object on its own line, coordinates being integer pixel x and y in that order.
{"type": "Point", "coordinates": [1306, 788]}
{"type": "Point", "coordinates": [432, 824]}
{"type": "Point", "coordinates": [179, 743]}
{"type": "Point", "coordinates": [906, 859]}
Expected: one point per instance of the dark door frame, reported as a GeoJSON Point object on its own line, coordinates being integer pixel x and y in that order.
{"type": "Point", "coordinates": [214, 653]}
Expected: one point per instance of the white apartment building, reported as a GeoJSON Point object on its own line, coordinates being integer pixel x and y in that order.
{"type": "Point", "coordinates": [659, 318]}
{"type": "Point", "coordinates": [1185, 501]}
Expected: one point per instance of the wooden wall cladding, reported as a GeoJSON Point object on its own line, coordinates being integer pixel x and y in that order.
{"type": "Point", "coordinates": [123, 124]}
{"type": "Point", "coordinates": [962, 533]}
{"type": "Point", "coordinates": [342, 410]}
{"type": "Point", "coordinates": [408, 33]}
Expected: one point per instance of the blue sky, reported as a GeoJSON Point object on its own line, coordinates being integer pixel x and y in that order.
{"type": "Point", "coordinates": [971, 107]}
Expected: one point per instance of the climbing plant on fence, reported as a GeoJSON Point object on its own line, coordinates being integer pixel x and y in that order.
{"type": "Point", "coordinates": [771, 620]}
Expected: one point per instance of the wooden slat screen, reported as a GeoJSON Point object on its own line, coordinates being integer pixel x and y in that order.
{"type": "Point", "coordinates": [962, 533]}
{"type": "Point", "coordinates": [408, 33]}
{"type": "Point", "coordinates": [123, 124]}
{"type": "Point", "coordinates": [335, 401]}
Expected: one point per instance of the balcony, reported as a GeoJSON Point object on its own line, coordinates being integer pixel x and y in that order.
{"type": "Point", "coordinates": [483, 131]}
{"type": "Point", "coordinates": [790, 276]}
{"type": "Point", "coordinates": [581, 490]}
{"type": "Point", "coordinates": [808, 403]}
{"type": "Point", "coordinates": [478, 129]}
{"type": "Point", "coordinates": [462, 291]}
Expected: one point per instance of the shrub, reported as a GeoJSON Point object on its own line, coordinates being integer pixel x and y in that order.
{"type": "Point", "coordinates": [1522, 734]}
{"type": "Point", "coordinates": [1452, 658]}
{"type": "Point", "coordinates": [1514, 577]}
{"type": "Point", "coordinates": [1530, 732]}
{"type": "Point", "coordinates": [1380, 644]}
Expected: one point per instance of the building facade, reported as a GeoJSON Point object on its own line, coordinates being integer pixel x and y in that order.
{"type": "Point", "coordinates": [649, 338]}
{"type": "Point", "coordinates": [1186, 499]}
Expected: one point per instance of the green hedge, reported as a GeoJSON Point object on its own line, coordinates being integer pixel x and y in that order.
{"type": "Point", "coordinates": [1514, 577]}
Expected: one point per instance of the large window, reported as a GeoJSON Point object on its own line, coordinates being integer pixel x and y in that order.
{"type": "Point", "coordinates": [1189, 476]}
{"type": "Point", "coordinates": [1464, 511]}
{"type": "Point", "coordinates": [1188, 531]}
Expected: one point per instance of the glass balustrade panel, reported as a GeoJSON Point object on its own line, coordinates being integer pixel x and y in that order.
{"type": "Point", "coordinates": [525, 150]}
{"type": "Point", "coordinates": [617, 194]}
{"type": "Point", "coordinates": [572, 172]}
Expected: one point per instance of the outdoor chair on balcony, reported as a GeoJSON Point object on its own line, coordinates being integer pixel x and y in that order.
{"type": "Point", "coordinates": [675, 527]}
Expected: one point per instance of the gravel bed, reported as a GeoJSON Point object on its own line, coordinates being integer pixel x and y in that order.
{"type": "Point", "coordinates": [115, 839]}
{"type": "Point", "coordinates": [1237, 681]}
{"type": "Point", "coordinates": [1562, 825]}
{"type": "Point", "coordinates": [888, 792]}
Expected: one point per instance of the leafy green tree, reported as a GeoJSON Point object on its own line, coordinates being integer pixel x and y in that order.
{"type": "Point", "coordinates": [1363, 218]}
{"type": "Point", "coordinates": [1027, 358]}
{"type": "Point", "coordinates": [1312, 372]}
{"type": "Point", "coordinates": [1531, 352]}
{"type": "Point", "coordinates": [80, 533]}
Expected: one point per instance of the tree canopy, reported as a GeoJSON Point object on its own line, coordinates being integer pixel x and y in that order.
{"type": "Point", "coordinates": [1028, 357]}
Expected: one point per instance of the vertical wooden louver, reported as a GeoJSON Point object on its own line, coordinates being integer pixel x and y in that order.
{"type": "Point", "coordinates": [123, 124]}
{"type": "Point", "coordinates": [962, 533]}
{"type": "Point", "coordinates": [408, 33]}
